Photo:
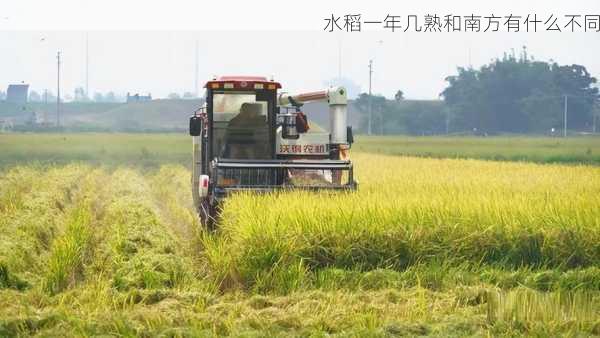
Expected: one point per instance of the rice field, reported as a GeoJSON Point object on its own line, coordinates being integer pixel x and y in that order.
{"type": "Point", "coordinates": [425, 247]}
{"type": "Point", "coordinates": [152, 150]}
{"type": "Point", "coordinates": [575, 150]}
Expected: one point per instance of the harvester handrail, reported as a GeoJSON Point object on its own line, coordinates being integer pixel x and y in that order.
{"type": "Point", "coordinates": [292, 164]}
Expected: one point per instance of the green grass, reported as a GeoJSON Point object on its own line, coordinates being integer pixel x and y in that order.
{"type": "Point", "coordinates": [152, 150]}
{"type": "Point", "coordinates": [139, 150]}
{"type": "Point", "coordinates": [502, 148]}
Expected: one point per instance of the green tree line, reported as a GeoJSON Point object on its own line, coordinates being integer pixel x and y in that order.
{"type": "Point", "coordinates": [508, 95]}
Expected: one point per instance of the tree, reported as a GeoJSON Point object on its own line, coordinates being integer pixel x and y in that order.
{"type": "Point", "coordinates": [596, 118]}
{"type": "Point", "coordinates": [416, 117]}
{"type": "Point", "coordinates": [463, 96]}
{"type": "Point", "coordinates": [173, 96]}
{"type": "Point", "coordinates": [519, 95]}
{"type": "Point", "coordinates": [188, 95]}
{"type": "Point", "coordinates": [576, 82]}
{"type": "Point", "coordinates": [399, 96]}
{"type": "Point", "coordinates": [378, 108]}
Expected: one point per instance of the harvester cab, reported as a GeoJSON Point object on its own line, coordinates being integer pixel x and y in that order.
{"type": "Point", "coordinates": [247, 136]}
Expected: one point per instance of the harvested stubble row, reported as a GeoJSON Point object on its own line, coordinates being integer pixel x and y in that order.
{"type": "Point", "coordinates": [140, 250]}
{"type": "Point", "coordinates": [33, 211]}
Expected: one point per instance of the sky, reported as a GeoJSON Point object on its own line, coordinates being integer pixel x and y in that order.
{"type": "Point", "coordinates": [150, 46]}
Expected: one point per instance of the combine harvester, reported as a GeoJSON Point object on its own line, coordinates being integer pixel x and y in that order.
{"type": "Point", "coordinates": [247, 136]}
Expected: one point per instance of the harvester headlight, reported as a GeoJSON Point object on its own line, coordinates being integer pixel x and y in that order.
{"type": "Point", "coordinates": [203, 188]}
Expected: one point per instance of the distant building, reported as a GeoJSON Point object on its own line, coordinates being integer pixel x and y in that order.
{"type": "Point", "coordinates": [138, 98]}
{"type": "Point", "coordinates": [17, 93]}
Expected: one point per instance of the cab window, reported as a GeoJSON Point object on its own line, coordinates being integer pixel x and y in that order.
{"type": "Point", "coordinates": [240, 126]}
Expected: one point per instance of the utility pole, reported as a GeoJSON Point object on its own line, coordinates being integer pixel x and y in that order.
{"type": "Point", "coordinates": [196, 91]}
{"type": "Point", "coordinates": [565, 116]}
{"type": "Point", "coordinates": [58, 89]}
{"type": "Point", "coordinates": [370, 98]}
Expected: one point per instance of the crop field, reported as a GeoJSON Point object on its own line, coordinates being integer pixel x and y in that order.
{"type": "Point", "coordinates": [153, 150]}
{"type": "Point", "coordinates": [98, 237]}
{"type": "Point", "coordinates": [533, 149]}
